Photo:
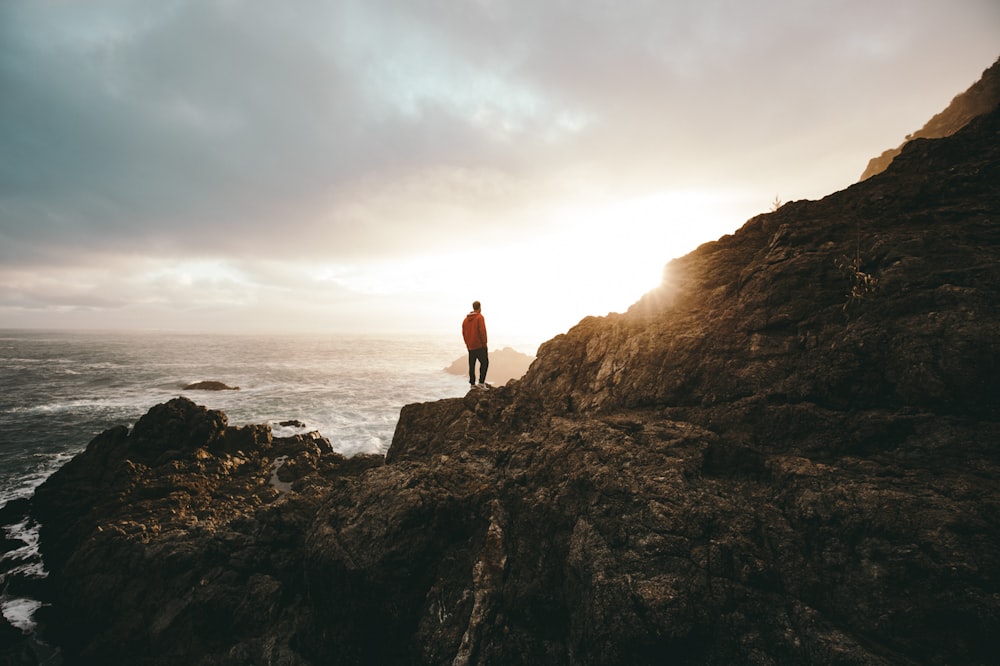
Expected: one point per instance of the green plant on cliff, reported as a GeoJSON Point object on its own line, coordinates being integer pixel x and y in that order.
{"type": "Point", "coordinates": [862, 283]}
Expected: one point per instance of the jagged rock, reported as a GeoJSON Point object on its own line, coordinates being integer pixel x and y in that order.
{"type": "Point", "coordinates": [788, 453]}
{"type": "Point", "coordinates": [505, 364]}
{"type": "Point", "coordinates": [210, 386]}
{"type": "Point", "coordinates": [171, 542]}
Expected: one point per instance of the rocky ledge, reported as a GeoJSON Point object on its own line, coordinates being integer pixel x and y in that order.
{"type": "Point", "coordinates": [786, 454]}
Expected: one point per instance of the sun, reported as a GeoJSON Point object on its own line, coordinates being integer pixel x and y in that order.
{"type": "Point", "coordinates": [616, 253]}
{"type": "Point", "coordinates": [533, 286]}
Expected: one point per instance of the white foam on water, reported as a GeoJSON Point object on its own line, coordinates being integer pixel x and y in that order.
{"type": "Point", "coordinates": [278, 430]}
{"type": "Point", "coordinates": [24, 485]}
{"type": "Point", "coordinates": [26, 531]}
{"type": "Point", "coordinates": [20, 612]}
{"type": "Point", "coordinates": [282, 486]}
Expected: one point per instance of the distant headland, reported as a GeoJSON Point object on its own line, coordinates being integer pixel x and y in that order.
{"type": "Point", "coordinates": [505, 364]}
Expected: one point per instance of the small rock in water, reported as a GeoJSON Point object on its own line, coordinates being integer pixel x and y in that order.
{"type": "Point", "coordinates": [210, 386]}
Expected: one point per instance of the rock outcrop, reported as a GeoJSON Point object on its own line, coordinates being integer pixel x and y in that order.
{"type": "Point", "coordinates": [210, 386]}
{"type": "Point", "coordinates": [982, 97]}
{"type": "Point", "coordinates": [787, 453]}
{"type": "Point", "coordinates": [182, 540]}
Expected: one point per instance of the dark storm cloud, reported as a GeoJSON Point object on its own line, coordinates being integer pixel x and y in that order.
{"type": "Point", "coordinates": [207, 118]}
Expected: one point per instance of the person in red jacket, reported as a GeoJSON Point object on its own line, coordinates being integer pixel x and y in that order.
{"type": "Point", "coordinates": [474, 332]}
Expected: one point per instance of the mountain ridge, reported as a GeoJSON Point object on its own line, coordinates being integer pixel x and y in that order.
{"type": "Point", "coordinates": [982, 97]}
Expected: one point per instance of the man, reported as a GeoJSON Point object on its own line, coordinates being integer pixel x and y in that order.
{"type": "Point", "coordinates": [474, 332]}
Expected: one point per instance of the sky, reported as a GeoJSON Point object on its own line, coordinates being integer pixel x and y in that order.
{"type": "Point", "coordinates": [373, 166]}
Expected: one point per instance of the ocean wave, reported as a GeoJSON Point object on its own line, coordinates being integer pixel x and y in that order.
{"type": "Point", "coordinates": [24, 562]}
{"type": "Point", "coordinates": [20, 612]}
{"type": "Point", "coordinates": [35, 361]}
{"type": "Point", "coordinates": [26, 532]}
{"type": "Point", "coordinates": [84, 404]}
{"type": "Point", "coordinates": [29, 474]}
{"type": "Point", "coordinates": [289, 431]}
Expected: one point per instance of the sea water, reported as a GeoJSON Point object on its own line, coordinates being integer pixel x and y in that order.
{"type": "Point", "coordinates": [58, 390]}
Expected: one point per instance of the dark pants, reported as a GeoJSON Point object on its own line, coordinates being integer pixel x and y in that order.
{"type": "Point", "coordinates": [483, 357]}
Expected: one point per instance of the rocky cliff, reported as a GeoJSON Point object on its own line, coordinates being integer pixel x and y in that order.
{"type": "Point", "coordinates": [982, 97]}
{"type": "Point", "coordinates": [787, 453]}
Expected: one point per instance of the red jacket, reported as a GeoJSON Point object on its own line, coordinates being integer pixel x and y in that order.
{"type": "Point", "coordinates": [474, 330]}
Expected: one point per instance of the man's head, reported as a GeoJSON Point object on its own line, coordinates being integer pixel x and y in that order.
{"type": "Point", "coordinates": [475, 305]}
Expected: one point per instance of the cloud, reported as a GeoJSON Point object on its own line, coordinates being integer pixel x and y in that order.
{"type": "Point", "coordinates": [232, 124]}
{"type": "Point", "coordinates": [360, 133]}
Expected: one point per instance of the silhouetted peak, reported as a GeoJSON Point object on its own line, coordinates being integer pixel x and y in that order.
{"type": "Point", "coordinates": [982, 97]}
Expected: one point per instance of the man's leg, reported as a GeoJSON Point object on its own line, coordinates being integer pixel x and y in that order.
{"type": "Point", "coordinates": [484, 363]}
{"type": "Point", "coordinates": [472, 366]}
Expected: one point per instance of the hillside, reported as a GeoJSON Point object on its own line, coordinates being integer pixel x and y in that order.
{"type": "Point", "coordinates": [785, 454]}
{"type": "Point", "coordinates": [982, 97]}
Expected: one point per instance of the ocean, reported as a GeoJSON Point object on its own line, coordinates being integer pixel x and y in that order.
{"type": "Point", "coordinates": [58, 390]}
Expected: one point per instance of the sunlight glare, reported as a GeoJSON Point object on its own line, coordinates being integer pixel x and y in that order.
{"type": "Point", "coordinates": [617, 253]}
{"type": "Point", "coordinates": [580, 262]}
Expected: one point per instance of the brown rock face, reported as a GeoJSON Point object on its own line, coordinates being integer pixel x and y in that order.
{"type": "Point", "coordinates": [786, 454]}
